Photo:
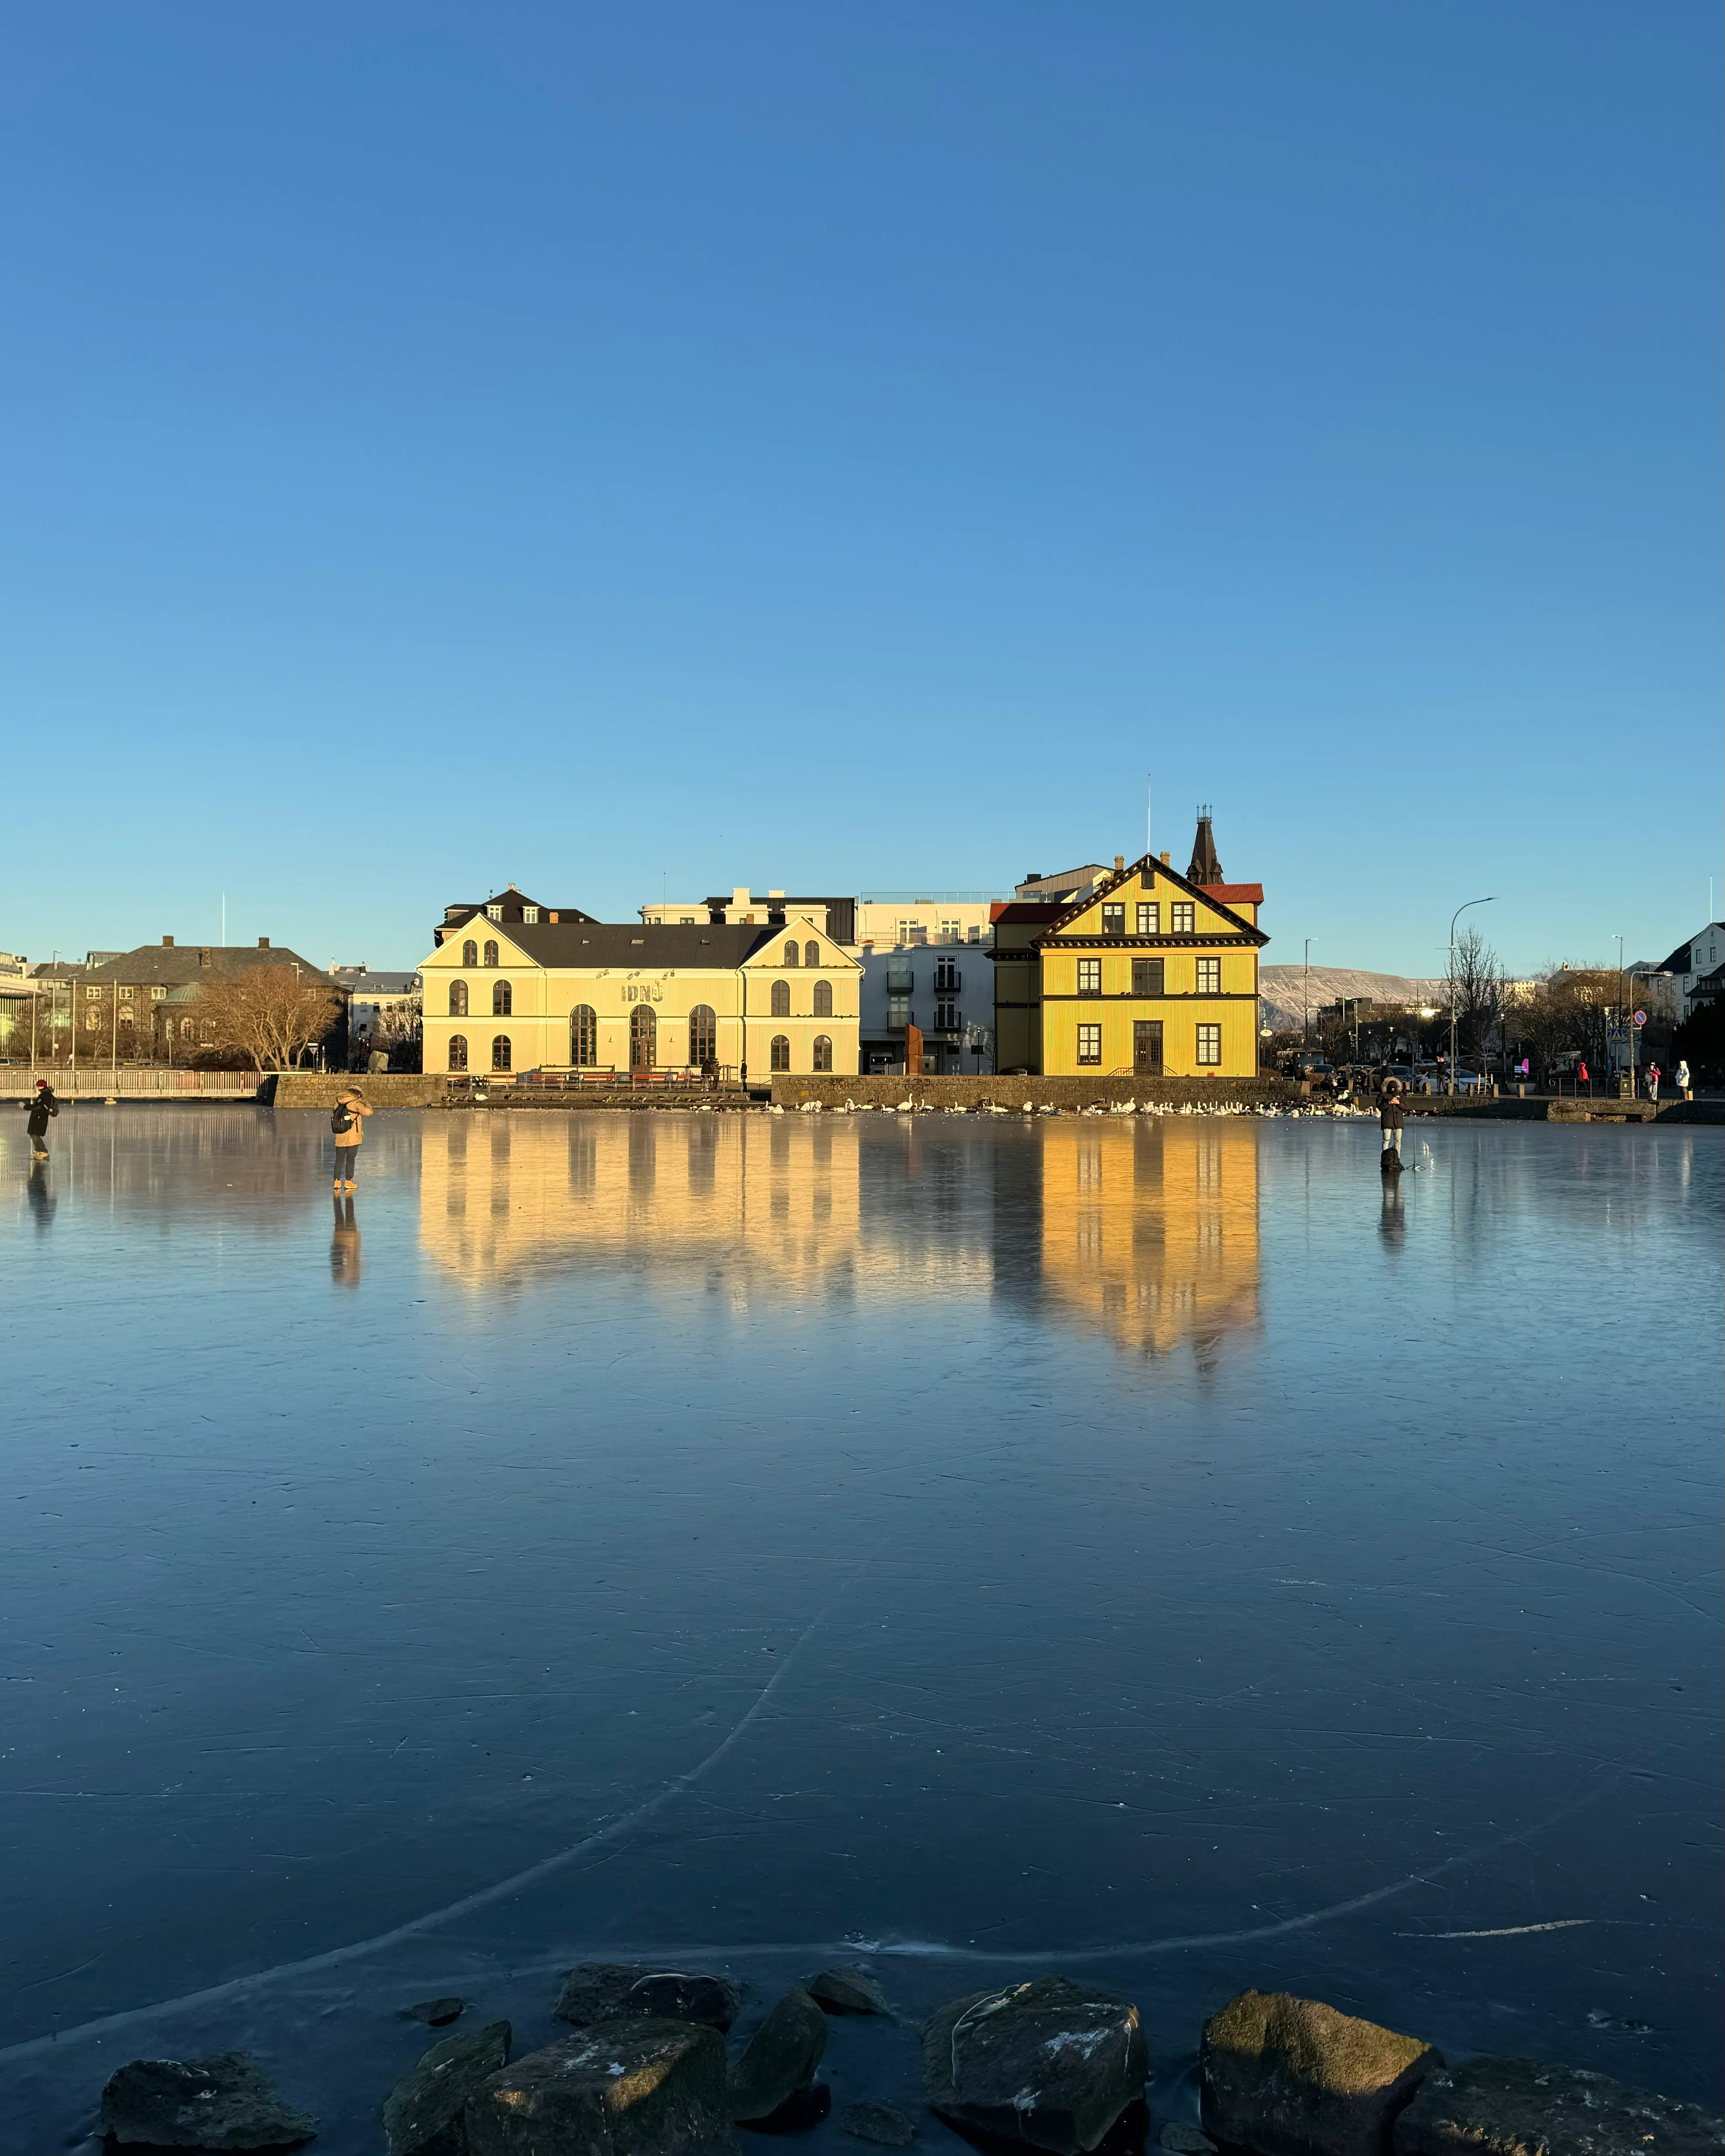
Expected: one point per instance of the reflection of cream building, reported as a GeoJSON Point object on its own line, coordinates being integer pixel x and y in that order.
{"type": "Point", "coordinates": [1150, 1228]}
{"type": "Point", "coordinates": [729, 1199]}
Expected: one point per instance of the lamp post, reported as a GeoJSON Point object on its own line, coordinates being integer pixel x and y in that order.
{"type": "Point", "coordinates": [1454, 918]}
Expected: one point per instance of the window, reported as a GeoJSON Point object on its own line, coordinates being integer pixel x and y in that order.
{"type": "Point", "coordinates": [779, 1054]}
{"type": "Point", "coordinates": [1209, 977]}
{"type": "Point", "coordinates": [1182, 923]}
{"type": "Point", "coordinates": [458, 999]}
{"type": "Point", "coordinates": [822, 1052]}
{"type": "Point", "coordinates": [823, 999]}
{"type": "Point", "coordinates": [124, 995]}
{"type": "Point", "coordinates": [912, 932]}
{"type": "Point", "coordinates": [502, 1000]}
{"type": "Point", "coordinates": [158, 995]}
{"type": "Point", "coordinates": [703, 1036]}
{"type": "Point", "coordinates": [1089, 977]}
{"type": "Point", "coordinates": [1114, 921]}
{"type": "Point", "coordinates": [470, 953]}
{"type": "Point", "coordinates": [1147, 977]}
{"type": "Point", "coordinates": [781, 999]}
{"type": "Point", "coordinates": [898, 1012]}
{"type": "Point", "coordinates": [128, 1018]}
{"type": "Point", "coordinates": [1090, 1043]}
{"type": "Point", "coordinates": [583, 1036]}
{"type": "Point", "coordinates": [811, 954]}
{"type": "Point", "coordinates": [1209, 1047]}
{"type": "Point", "coordinates": [490, 954]}
{"type": "Point", "coordinates": [952, 932]}
{"type": "Point", "coordinates": [92, 1020]}
{"type": "Point", "coordinates": [1149, 917]}
{"type": "Point", "coordinates": [946, 1017]}
{"type": "Point", "coordinates": [643, 1038]}
{"type": "Point", "coordinates": [92, 995]}
{"type": "Point", "coordinates": [530, 914]}
{"type": "Point", "coordinates": [457, 1051]}
{"type": "Point", "coordinates": [494, 913]}
{"type": "Point", "coordinates": [790, 954]}
{"type": "Point", "coordinates": [185, 1029]}
{"type": "Point", "coordinates": [1147, 1047]}
{"type": "Point", "coordinates": [501, 1053]}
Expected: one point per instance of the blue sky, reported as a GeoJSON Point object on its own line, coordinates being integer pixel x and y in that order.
{"type": "Point", "coordinates": [849, 448]}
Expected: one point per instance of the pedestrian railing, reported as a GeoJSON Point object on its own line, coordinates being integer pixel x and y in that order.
{"type": "Point", "coordinates": [129, 1082]}
{"type": "Point", "coordinates": [604, 1079]}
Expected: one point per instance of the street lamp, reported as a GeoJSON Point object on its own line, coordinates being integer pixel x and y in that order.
{"type": "Point", "coordinates": [1648, 973]}
{"type": "Point", "coordinates": [1454, 918]}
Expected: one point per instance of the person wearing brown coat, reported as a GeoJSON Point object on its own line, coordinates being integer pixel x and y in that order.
{"type": "Point", "coordinates": [345, 1121]}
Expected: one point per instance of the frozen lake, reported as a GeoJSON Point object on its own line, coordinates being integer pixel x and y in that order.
{"type": "Point", "coordinates": [1140, 1550]}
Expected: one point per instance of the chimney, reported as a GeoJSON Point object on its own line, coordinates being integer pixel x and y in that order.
{"type": "Point", "coordinates": [263, 942]}
{"type": "Point", "coordinates": [1119, 863]}
{"type": "Point", "coordinates": [203, 956]}
{"type": "Point", "coordinates": [1164, 857]}
{"type": "Point", "coordinates": [168, 942]}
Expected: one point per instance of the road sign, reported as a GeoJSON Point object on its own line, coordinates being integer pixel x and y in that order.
{"type": "Point", "coordinates": [1640, 1018]}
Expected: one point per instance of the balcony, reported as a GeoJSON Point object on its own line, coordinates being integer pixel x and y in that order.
{"type": "Point", "coordinates": [948, 980]}
{"type": "Point", "coordinates": [900, 981]}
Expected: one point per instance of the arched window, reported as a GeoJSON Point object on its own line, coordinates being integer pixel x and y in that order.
{"type": "Point", "coordinates": [490, 954]}
{"type": "Point", "coordinates": [458, 999]}
{"type": "Point", "coordinates": [457, 1051]}
{"type": "Point", "coordinates": [703, 1036]}
{"type": "Point", "coordinates": [502, 1000]}
{"type": "Point", "coordinates": [470, 953]}
{"type": "Point", "coordinates": [823, 999]}
{"type": "Point", "coordinates": [500, 1053]}
{"type": "Point", "coordinates": [780, 1053]}
{"type": "Point", "coordinates": [583, 1036]}
{"type": "Point", "coordinates": [781, 999]}
{"type": "Point", "coordinates": [643, 1038]}
{"type": "Point", "coordinates": [811, 954]}
{"type": "Point", "coordinates": [790, 953]}
{"type": "Point", "coordinates": [822, 1052]}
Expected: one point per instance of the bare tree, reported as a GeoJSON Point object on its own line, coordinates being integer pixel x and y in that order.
{"type": "Point", "coordinates": [1570, 1013]}
{"type": "Point", "coordinates": [1479, 985]}
{"type": "Point", "coordinates": [267, 1013]}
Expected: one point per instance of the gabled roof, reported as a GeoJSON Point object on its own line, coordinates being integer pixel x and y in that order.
{"type": "Point", "coordinates": [182, 965]}
{"type": "Point", "coordinates": [562, 946]}
{"type": "Point", "coordinates": [512, 905]}
{"type": "Point", "coordinates": [1117, 879]}
{"type": "Point", "coordinates": [774, 939]}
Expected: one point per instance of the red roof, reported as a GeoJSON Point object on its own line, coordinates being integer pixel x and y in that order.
{"type": "Point", "coordinates": [1234, 894]}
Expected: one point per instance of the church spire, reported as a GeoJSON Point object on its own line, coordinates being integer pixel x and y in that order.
{"type": "Point", "coordinates": [1205, 867]}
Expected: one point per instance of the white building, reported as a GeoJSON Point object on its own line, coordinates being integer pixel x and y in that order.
{"type": "Point", "coordinates": [1704, 952]}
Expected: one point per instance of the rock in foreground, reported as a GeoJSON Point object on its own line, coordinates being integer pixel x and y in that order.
{"type": "Point", "coordinates": [222, 2101]}
{"type": "Point", "coordinates": [847, 1989]}
{"type": "Point", "coordinates": [1516, 2107]}
{"type": "Point", "coordinates": [1291, 2076]}
{"type": "Point", "coordinates": [437, 2013]}
{"type": "Point", "coordinates": [779, 2060]}
{"type": "Point", "coordinates": [878, 2123]}
{"type": "Point", "coordinates": [621, 2089]}
{"type": "Point", "coordinates": [1052, 2063]}
{"type": "Point", "coordinates": [618, 1990]}
{"type": "Point", "coordinates": [421, 2116]}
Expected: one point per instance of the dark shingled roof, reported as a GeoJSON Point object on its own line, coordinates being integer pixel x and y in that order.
{"type": "Point", "coordinates": [181, 965]}
{"type": "Point", "coordinates": [636, 943]}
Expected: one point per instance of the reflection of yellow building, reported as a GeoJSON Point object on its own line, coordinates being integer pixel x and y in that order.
{"type": "Point", "coordinates": [732, 1199]}
{"type": "Point", "coordinates": [1150, 1228]}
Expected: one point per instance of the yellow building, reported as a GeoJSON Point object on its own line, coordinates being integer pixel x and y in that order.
{"type": "Point", "coordinates": [1146, 973]}
{"type": "Point", "coordinates": [514, 986]}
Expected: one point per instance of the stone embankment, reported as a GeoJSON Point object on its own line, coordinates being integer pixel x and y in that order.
{"type": "Point", "coordinates": [1049, 2064]}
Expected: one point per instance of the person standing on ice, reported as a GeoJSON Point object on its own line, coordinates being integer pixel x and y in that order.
{"type": "Point", "coordinates": [1389, 1121]}
{"type": "Point", "coordinates": [345, 1121]}
{"type": "Point", "coordinates": [41, 1108]}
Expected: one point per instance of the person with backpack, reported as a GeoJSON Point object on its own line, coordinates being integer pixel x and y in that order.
{"type": "Point", "coordinates": [41, 1108]}
{"type": "Point", "coordinates": [345, 1121]}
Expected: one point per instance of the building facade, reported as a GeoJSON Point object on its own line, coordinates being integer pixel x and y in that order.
{"type": "Point", "coordinates": [572, 994]}
{"type": "Point", "coordinates": [141, 1006]}
{"type": "Point", "coordinates": [1144, 972]}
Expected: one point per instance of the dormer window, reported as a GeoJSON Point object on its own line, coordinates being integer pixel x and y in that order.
{"type": "Point", "coordinates": [494, 913]}
{"type": "Point", "coordinates": [530, 914]}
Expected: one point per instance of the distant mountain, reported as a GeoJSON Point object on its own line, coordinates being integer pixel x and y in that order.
{"type": "Point", "coordinates": [1283, 991]}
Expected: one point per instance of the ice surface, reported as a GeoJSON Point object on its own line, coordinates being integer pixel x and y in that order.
{"type": "Point", "coordinates": [1152, 1552]}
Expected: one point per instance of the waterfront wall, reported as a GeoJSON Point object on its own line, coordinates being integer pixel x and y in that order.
{"type": "Point", "coordinates": [792, 1091]}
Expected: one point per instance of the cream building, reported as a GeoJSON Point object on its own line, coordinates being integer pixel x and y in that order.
{"type": "Point", "coordinates": [514, 986]}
